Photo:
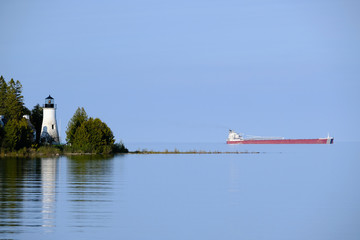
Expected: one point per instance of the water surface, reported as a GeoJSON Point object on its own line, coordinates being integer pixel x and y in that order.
{"type": "Point", "coordinates": [285, 192]}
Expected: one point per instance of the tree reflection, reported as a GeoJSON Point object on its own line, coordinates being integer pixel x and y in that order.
{"type": "Point", "coordinates": [19, 188]}
{"type": "Point", "coordinates": [90, 187]}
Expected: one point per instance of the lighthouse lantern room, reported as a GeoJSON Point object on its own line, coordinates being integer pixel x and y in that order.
{"type": "Point", "coordinates": [49, 102]}
{"type": "Point", "coordinates": [49, 129]}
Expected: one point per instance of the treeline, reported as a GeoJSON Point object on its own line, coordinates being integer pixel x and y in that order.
{"type": "Point", "coordinates": [83, 135]}
{"type": "Point", "coordinates": [86, 134]}
{"type": "Point", "coordinates": [17, 132]}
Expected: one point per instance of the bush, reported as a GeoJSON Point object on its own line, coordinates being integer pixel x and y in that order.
{"type": "Point", "coordinates": [119, 148]}
{"type": "Point", "coordinates": [94, 136]}
{"type": "Point", "coordinates": [18, 134]}
{"type": "Point", "coordinates": [49, 150]}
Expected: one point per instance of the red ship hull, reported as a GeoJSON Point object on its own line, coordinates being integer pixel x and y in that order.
{"type": "Point", "coordinates": [284, 141]}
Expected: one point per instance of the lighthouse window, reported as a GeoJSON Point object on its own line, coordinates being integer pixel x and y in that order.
{"type": "Point", "coordinates": [52, 126]}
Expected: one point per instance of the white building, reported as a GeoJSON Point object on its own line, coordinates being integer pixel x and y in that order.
{"type": "Point", "coordinates": [2, 120]}
{"type": "Point", "coordinates": [27, 117]}
{"type": "Point", "coordinates": [49, 128]}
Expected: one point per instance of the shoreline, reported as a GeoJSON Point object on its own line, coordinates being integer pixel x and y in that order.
{"type": "Point", "coordinates": [139, 152]}
{"type": "Point", "coordinates": [191, 152]}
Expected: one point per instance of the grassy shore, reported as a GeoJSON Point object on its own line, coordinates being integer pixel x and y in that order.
{"type": "Point", "coordinates": [189, 152]}
{"type": "Point", "coordinates": [62, 150]}
{"type": "Point", "coordinates": [44, 151]}
{"type": "Point", "coordinates": [54, 150]}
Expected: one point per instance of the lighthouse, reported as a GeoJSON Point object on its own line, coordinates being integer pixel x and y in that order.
{"type": "Point", "coordinates": [49, 129]}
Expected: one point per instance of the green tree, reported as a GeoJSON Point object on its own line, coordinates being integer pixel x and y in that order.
{"type": "Point", "coordinates": [94, 136]}
{"type": "Point", "coordinates": [3, 93]}
{"type": "Point", "coordinates": [119, 148]}
{"type": "Point", "coordinates": [75, 122]}
{"type": "Point", "coordinates": [26, 111]}
{"type": "Point", "coordinates": [18, 134]}
{"type": "Point", "coordinates": [14, 101]}
{"type": "Point", "coordinates": [2, 135]}
{"type": "Point", "coordinates": [36, 118]}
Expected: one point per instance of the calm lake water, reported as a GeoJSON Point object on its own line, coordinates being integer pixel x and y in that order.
{"type": "Point", "coordinates": [284, 192]}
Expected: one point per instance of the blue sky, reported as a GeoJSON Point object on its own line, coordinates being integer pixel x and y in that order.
{"type": "Point", "coordinates": [187, 71]}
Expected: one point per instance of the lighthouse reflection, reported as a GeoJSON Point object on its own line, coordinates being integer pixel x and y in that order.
{"type": "Point", "coordinates": [48, 177]}
{"type": "Point", "coordinates": [27, 194]}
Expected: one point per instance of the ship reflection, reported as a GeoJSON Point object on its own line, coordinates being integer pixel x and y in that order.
{"type": "Point", "coordinates": [234, 177]}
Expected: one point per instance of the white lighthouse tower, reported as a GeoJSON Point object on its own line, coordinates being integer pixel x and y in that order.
{"type": "Point", "coordinates": [49, 129]}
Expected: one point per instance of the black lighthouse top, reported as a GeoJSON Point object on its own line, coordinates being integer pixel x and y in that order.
{"type": "Point", "coordinates": [49, 102]}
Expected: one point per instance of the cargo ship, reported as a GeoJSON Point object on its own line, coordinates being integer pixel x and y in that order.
{"type": "Point", "coordinates": [235, 138]}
